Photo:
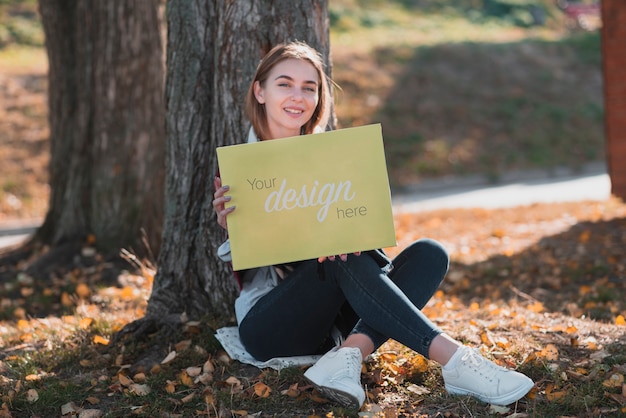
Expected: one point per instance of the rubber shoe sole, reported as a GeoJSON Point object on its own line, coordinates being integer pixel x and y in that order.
{"type": "Point", "coordinates": [502, 400]}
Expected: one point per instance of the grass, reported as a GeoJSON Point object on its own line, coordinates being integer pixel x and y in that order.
{"type": "Point", "coordinates": [460, 92]}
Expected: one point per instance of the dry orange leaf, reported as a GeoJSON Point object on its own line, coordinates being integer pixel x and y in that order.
{"type": "Point", "coordinates": [234, 383]}
{"type": "Point", "coordinates": [139, 377]}
{"type": "Point", "coordinates": [85, 323]}
{"type": "Point", "coordinates": [185, 379]}
{"type": "Point", "coordinates": [262, 390]}
{"type": "Point", "coordinates": [553, 395]}
{"type": "Point", "coordinates": [292, 392]}
{"type": "Point", "coordinates": [170, 387]}
{"type": "Point", "coordinates": [419, 364]}
{"type": "Point", "coordinates": [66, 300]}
{"type": "Point", "coordinates": [550, 352]}
{"type": "Point", "coordinates": [83, 291]}
{"type": "Point", "coordinates": [484, 338]}
{"type": "Point", "coordinates": [100, 340]}
{"type": "Point", "coordinates": [616, 380]}
{"type": "Point", "coordinates": [124, 380]}
{"type": "Point", "coordinates": [182, 345]}
{"type": "Point", "coordinates": [620, 320]}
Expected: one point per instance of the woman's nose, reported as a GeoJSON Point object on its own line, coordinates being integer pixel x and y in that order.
{"type": "Point", "coordinates": [297, 94]}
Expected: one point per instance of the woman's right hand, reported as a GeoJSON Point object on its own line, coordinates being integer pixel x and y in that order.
{"type": "Point", "coordinates": [219, 200]}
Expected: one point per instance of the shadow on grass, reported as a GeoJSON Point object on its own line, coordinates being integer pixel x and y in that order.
{"type": "Point", "coordinates": [487, 107]}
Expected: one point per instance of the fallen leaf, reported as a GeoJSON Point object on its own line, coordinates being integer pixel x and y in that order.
{"type": "Point", "coordinates": [208, 367]}
{"type": "Point", "coordinates": [100, 340]}
{"type": "Point", "coordinates": [185, 379]}
{"type": "Point", "coordinates": [140, 389]}
{"type": "Point", "coordinates": [124, 380]}
{"type": "Point", "coordinates": [418, 390]}
{"type": "Point", "coordinates": [171, 356]}
{"type": "Point", "coordinates": [193, 371]}
{"type": "Point", "coordinates": [204, 378]}
{"type": "Point", "coordinates": [262, 390]}
{"type": "Point", "coordinates": [496, 409]}
{"type": "Point", "coordinates": [139, 377]}
{"type": "Point", "coordinates": [93, 400]}
{"type": "Point", "coordinates": [83, 291]}
{"type": "Point", "coordinates": [234, 383]}
{"type": "Point", "coordinates": [170, 387]}
{"type": "Point", "coordinates": [550, 352]}
{"type": "Point", "coordinates": [182, 345]}
{"type": "Point", "coordinates": [32, 396]}
{"type": "Point", "coordinates": [90, 413]}
{"type": "Point", "coordinates": [292, 392]}
{"type": "Point", "coordinates": [69, 408]}
{"type": "Point", "coordinates": [616, 380]}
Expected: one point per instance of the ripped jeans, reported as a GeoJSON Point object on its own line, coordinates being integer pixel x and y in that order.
{"type": "Point", "coordinates": [355, 296]}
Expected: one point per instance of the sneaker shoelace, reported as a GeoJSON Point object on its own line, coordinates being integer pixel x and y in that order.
{"type": "Point", "coordinates": [353, 364]}
{"type": "Point", "coordinates": [479, 363]}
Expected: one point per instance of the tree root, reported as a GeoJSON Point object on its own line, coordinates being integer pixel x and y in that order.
{"type": "Point", "coordinates": [151, 338]}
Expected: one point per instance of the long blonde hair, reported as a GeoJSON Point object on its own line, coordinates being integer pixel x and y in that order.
{"type": "Point", "coordinates": [293, 50]}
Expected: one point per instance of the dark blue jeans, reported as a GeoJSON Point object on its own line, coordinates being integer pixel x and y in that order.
{"type": "Point", "coordinates": [357, 296]}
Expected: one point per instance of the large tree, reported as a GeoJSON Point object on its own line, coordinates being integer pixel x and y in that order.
{"type": "Point", "coordinates": [614, 65]}
{"type": "Point", "coordinates": [213, 49]}
{"type": "Point", "coordinates": [107, 124]}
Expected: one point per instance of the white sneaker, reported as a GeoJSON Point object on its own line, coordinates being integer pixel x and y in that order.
{"type": "Point", "coordinates": [474, 375]}
{"type": "Point", "coordinates": [338, 376]}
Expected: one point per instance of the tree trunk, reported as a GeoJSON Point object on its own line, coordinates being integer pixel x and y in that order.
{"type": "Point", "coordinates": [107, 128]}
{"type": "Point", "coordinates": [213, 50]}
{"type": "Point", "coordinates": [614, 65]}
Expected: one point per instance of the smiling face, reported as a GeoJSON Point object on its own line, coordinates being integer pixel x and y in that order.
{"type": "Point", "coordinates": [290, 96]}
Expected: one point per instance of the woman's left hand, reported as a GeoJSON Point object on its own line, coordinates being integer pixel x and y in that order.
{"type": "Point", "coordinates": [342, 257]}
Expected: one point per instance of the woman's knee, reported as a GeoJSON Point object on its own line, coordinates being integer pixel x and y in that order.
{"type": "Point", "coordinates": [429, 249]}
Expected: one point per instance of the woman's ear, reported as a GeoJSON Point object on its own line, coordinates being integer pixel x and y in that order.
{"type": "Point", "coordinates": [258, 92]}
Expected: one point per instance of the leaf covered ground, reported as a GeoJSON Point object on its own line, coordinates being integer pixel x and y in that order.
{"type": "Point", "coordinates": [539, 288]}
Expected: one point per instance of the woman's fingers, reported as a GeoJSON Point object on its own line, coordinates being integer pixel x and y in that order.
{"type": "Point", "coordinates": [342, 257]}
{"type": "Point", "coordinates": [219, 201]}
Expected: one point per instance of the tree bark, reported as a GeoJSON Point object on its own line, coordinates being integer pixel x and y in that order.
{"type": "Point", "coordinates": [614, 66]}
{"type": "Point", "coordinates": [213, 50]}
{"type": "Point", "coordinates": [107, 129]}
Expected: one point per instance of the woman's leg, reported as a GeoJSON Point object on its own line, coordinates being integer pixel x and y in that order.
{"type": "Point", "coordinates": [386, 311]}
{"type": "Point", "coordinates": [295, 318]}
{"type": "Point", "coordinates": [381, 304]}
{"type": "Point", "coordinates": [418, 271]}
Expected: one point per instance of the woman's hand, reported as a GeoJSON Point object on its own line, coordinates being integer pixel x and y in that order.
{"type": "Point", "coordinates": [342, 257]}
{"type": "Point", "coordinates": [219, 200]}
